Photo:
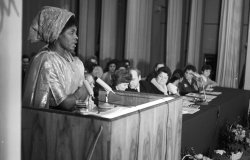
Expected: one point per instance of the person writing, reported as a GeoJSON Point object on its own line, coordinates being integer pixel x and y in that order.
{"type": "Point", "coordinates": [55, 77]}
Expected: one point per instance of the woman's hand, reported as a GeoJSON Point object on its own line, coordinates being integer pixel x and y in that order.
{"type": "Point", "coordinates": [81, 93]}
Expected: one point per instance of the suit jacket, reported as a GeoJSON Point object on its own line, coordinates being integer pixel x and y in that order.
{"type": "Point", "coordinates": [185, 87]}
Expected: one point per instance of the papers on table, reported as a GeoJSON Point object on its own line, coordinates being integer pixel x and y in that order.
{"type": "Point", "coordinates": [208, 97]}
{"type": "Point", "coordinates": [188, 106]}
{"type": "Point", "coordinates": [192, 101]}
{"type": "Point", "coordinates": [189, 110]}
{"type": "Point", "coordinates": [211, 93]}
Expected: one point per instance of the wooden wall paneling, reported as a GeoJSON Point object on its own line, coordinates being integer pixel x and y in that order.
{"type": "Point", "coordinates": [153, 133]}
{"type": "Point", "coordinates": [174, 130]}
{"type": "Point", "coordinates": [50, 136]}
{"type": "Point", "coordinates": [124, 138]}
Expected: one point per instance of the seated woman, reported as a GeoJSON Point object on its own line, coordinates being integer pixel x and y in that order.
{"type": "Point", "coordinates": [159, 83]}
{"type": "Point", "coordinates": [109, 70]}
{"type": "Point", "coordinates": [153, 73]}
{"type": "Point", "coordinates": [55, 78]}
{"type": "Point", "coordinates": [174, 81]}
{"type": "Point", "coordinates": [188, 84]}
{"type": "Point", "coordinates": [121, 79]}
{"type": "Point", "coordinates": [123, 64]}
{"type": "Point", "coordinates": [206, 72]}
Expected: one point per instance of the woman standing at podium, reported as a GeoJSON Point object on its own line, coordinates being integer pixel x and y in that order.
{"type": "Point", "coordinates": [55, 77]}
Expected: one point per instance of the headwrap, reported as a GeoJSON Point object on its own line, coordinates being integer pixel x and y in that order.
{"type": "Point", "coordinates": [48, 24]}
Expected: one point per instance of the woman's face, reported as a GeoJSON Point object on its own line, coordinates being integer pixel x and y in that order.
{"type": "Point", "coordinates": [122, 86]}
{"type": "Point", "coordinates": [189, 75]}
{"type": "Point", "coordinates": [207, 72]}
{"type": "Point", "coordinates": [112, 67]}
{"type": "Point", "coordinates": [162, 78]}
{"type": "Point", "coordinates": [68, 39]}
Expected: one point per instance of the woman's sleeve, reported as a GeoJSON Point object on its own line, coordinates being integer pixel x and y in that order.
{"type": "Point", "coordinates": [55, 76]}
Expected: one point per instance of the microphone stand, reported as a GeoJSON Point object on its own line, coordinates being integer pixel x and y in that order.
{"type": "Point", "coordinates": [199, 77]}
{"type": "Point", "coordinates": [106, 104]}
{"type": "Point", "coordinates": [204, 91]}
{"type": "Point", "coordinates": [107, 97]}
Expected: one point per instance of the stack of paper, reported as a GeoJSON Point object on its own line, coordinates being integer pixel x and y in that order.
{"type": "Point", "coordinates": [189, 110]}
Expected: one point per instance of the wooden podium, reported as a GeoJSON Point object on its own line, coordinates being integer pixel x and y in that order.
{"type": "Point", "coordinates": [140, 127]}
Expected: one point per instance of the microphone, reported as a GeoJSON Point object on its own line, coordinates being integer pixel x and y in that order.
{"type": "Point", "coordinates": [104, 85]}
{"type": "Point", "coordinates": [203, 79]}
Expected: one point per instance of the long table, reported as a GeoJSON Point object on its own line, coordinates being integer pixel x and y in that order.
{"type": "Point", "coordinates": [201, 130]}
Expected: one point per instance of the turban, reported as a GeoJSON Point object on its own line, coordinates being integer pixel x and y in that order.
{"type": "Point", "coordinates": [48, 24]}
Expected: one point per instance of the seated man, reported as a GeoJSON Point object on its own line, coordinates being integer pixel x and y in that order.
{"type": "Point", "coordinates": [188, 84]}
{"type": "Point", "coordinates": [136, 84]}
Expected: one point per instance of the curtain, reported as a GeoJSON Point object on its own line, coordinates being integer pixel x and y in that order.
{"type": "Point", "coordinates": [86, 31]}
{"type": "Point", "coordinates": [108, 31]}
{"type": "Point", "coordinates": [193, 55]}
{"type": "Point", "coordinates": [229, 43]}
{"type": "Point", "coordinates": [138, 33]}
{"type": "Point", "coordinates": [247, 65]}
{"type": "Point", "coordinates": [174, 28]}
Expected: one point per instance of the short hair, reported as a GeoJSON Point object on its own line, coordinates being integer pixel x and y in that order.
{"type": "Point", "coordinates": [113, 61]}
{"type": "Point", "coordinates": [155, 66]}
{"type": "Point", "coordinates": [126, 63]}
{"type": "Point", "coordinates": [89, 66]}
{"type": "Point", "coordinates": [121, 76]}
{"type": "Point", "coordinates": [165, 70]}
{"type": "Point", "coordinates": [190, 67]}
{"type": "Point", "coordinates": [174, 78]}
{"type": "Point", "coordinates": [206, 67]}
{"type": "Point", "coordinates": [178, 73]}
{"type": "Point", "coordinates": [137, 71]}
{"type": "Point", "coordinates": [93, 57]}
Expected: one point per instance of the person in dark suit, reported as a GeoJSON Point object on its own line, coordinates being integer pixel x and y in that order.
{"type": "Point", "coordinates": [136, 84]}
